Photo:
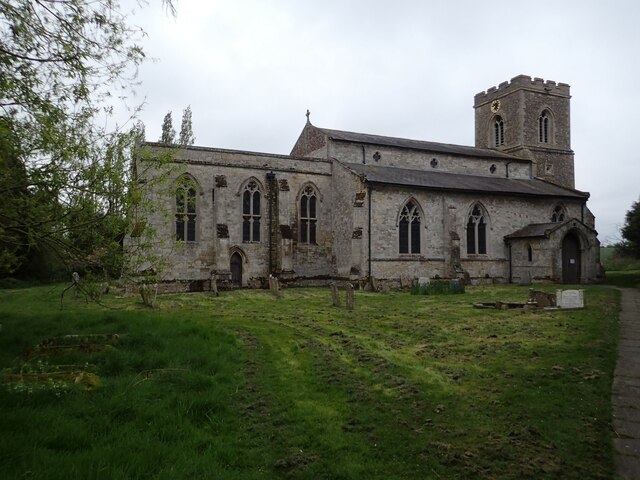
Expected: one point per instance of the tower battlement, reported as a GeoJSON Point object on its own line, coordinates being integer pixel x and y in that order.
{"type": "Point", "coordinates": [548, 87]}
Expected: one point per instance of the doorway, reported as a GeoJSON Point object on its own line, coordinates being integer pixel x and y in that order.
{"type": "Point", "coordinates": [571, 261]}
{"type": "Point", "coordinates": [236, 269]}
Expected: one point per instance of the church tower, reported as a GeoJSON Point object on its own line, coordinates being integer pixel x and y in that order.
{"type": "Point", "coordinates": [530, 119]}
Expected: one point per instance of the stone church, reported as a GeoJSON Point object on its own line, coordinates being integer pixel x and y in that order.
{"type": "Point", "coordinates": [354, 206]}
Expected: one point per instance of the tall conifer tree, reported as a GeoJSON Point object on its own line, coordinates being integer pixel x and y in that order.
{"type": "Point", "coordinates": [186, 129]}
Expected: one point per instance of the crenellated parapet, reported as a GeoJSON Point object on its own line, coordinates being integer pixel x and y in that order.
{"type": "Point", "coordinates": [525, 82]}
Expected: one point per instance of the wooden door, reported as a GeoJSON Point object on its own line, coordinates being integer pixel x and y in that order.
{"type": "Point", "coordinates": [571, 261]}
{"type": "Point", "coordinates": [236, 269]}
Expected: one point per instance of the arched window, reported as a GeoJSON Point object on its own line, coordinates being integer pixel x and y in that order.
{"type": "Point", "coordinates": [251, 199]}
{"type": "Point", "coordinates": [409, 229]}
{"type": "Point", "coordinates": [498, 131]}
{"type": "Point", "coordinates": [544, 127]}
{"type": "Point", "coordinates": [186, 210]}
{"type": "Point", "coordinates": [476, 231]}
{"type": "Point", "coordinates": [558, 214]}
{"type": "Point", "coordinates": [308, 215]}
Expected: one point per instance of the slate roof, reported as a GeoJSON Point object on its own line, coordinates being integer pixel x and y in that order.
{"type": "Point", "coordinates": [535, 230]}
{"type": "Point", "coordinates": [435, 180]}
{"type": "Point", "coordinates": [419, 145]}
{"type": "Point", "coordinates": [540, 230]}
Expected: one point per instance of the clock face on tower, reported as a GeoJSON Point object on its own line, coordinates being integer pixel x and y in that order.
{"type": "Point", "coordinates": [495, 106]}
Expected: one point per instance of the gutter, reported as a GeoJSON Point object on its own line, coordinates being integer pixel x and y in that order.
{"type": "Point", "coordinates": [369, 190]}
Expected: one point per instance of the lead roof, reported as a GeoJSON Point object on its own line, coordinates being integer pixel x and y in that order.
{"type": "Point", "coordinates": [434, 180]}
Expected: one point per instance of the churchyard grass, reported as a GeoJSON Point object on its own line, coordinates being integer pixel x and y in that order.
{"type": "Point", "coordinates": [249, 386]}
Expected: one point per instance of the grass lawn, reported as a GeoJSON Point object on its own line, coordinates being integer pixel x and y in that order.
{"type": "Point", "coordinates": [247, 386]}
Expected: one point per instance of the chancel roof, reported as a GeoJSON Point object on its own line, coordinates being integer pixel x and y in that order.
{"type": "Point", "coordinates": [434, 180]}
{"type": "Point", "coordinates": [418, 145]}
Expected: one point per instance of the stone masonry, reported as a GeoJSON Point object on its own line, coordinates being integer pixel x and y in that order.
{"type": "Point", "coordinates": [351, 206]}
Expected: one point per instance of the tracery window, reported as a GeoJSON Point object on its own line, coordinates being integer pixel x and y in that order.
{"type": "Point", "coordinates": [186, 210]}
{"type": "Point", "coordinates": [308, 215]}
{"type": "Point", "coordinates": [558, 214]}
{"type": "Point", "coordinates": [498, 131]}
{"type": "Point", "coordinates": [544, 126]}
{"type": "Point", "coordinates": [251, 199]}
{"type": "Point", "coordinates": [476, 232]}
{"type": "Point", "coordinates": [409, 234]}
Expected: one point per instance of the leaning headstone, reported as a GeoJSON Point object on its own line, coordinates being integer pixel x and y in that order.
{"type": "Point", "coordinates": [350, 299]}
{"type": "Point", "coordinates": [335, 297]}
{"type": "Point", "coordinates": [214, 284]}
{"type": "Point", "coordinates": [274, 286]}
{"type": "Point", "coordinates": [570, 298]}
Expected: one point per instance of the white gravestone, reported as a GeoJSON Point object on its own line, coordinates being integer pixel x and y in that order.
{"type": "Point", "coordinates": [570, 298]}
{"type": "Point", "coordinates": [424, 281]}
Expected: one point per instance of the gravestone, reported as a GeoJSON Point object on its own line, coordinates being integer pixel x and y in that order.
{"type": "Point", "coordinates": [525, 278]}
{"type": "Point", "coordinates": [570, 298]}
{"type": "Point", "coordinates": [274, 286]}
{"type": "Point", "coordinates": [350, 299]}
{"type": "Point", "coordinates": [424, 281]}
{"type": "Point", "coordinates": [214, 284]}
{"type": "Point", "coordinates": [374, 284]}
{"type": "Point", "coordinates": [335, 297]}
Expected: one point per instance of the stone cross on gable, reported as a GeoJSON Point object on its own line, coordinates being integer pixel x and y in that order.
{"type": "Point", "coordinates": [308, 114]}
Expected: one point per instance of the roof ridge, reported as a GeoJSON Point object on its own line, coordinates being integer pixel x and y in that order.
{"type": "Point", "coordinates": [411, 143]}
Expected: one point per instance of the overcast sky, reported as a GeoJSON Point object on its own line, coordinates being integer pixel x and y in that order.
{"type": "Point", "coordinates": [250, 70]}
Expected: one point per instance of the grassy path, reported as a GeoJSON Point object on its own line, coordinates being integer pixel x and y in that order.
{"type": "Point", "coordinates": [248, 386]}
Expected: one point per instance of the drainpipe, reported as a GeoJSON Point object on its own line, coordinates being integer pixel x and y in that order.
{"type": "Point", "coordinates": [369, 190]}
{"type": "Point", "coordinates": [271, 177]}
{"type": "Point", "coordinates": [510, 264]}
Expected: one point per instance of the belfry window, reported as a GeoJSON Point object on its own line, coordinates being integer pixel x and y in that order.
{"type": "Point", "coordinates": [186, 210]}
{"type": "Point", "coordinates": [558, 214]}
{"type": "Point", "coordinates": [544, 127]}
{"type": "Point", "coordinates": [476, 232]}
{"type": "Point", "coordinates": [308, 215]}
{"type": "Point", "coordinates": [498, 131]}
{"type": "Point", "coordinates": [409, 224]}
{"type": "Point", "coordinates": [251, 199]}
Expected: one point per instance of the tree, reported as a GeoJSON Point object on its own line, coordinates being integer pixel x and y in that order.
{"type": "Point", "coordinates": [631, 231]}
{"type": "Point", "coordinates": [186, 129]}
{"type": "Point", "coordinates": [168, 135]}
{"type": "Point", "coordinates": [61, 173]}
